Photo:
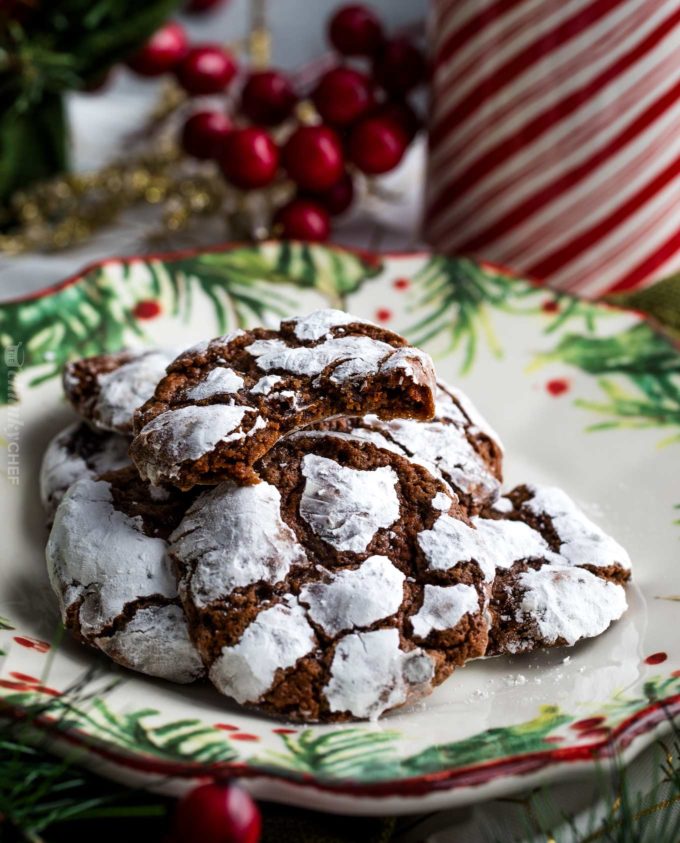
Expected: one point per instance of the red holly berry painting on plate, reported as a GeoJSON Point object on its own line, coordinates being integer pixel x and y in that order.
{"type": "Point", "coordinates": [583, 397]}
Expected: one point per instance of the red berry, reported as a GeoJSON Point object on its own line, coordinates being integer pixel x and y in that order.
{"type": "Point", "coordinates": [313, 157]}
{"type": "Point", "coordinates": [338, 198]}
{"type": "Point", "coordinates": [402, 113]}
{"type": "Point", "coordinates": [161, 53]}
{"type": "Point", "coordinates": [217, 813]}
{"type": "Point", "coordinates": [399, 66]}
{"type": "Point", "coordinates": [249, 158]}
{"type": "Point", "coordinates": [206, 70]}
{"type": "Point", "coordinates": [268, 98]}
{"type": "Point", "coordinates": [376, 145]}
{"type": "Point", "coordinates": [204, 133]}
{"type": "Point", "coordinates": [343, 95]}
{"type": "Point", "coordinates": [355, 31]}
{"type": "Point", "coordinates": [302, 219]}
{"type": "Point", "coordinates": [197, 7]}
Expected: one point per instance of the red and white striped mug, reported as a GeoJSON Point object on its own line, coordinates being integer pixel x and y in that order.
{"type": "Point", "coordinates": [555, 138]}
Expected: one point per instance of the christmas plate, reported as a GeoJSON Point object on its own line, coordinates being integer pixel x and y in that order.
{"type": "Point", "coordinates": [584, 397]}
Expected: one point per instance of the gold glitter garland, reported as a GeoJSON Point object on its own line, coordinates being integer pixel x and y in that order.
{"type": "Point", "coordinates": [66, 210]}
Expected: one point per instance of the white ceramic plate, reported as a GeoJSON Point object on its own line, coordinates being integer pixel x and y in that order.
{"type": "Point", "coordinates": [584, 397]}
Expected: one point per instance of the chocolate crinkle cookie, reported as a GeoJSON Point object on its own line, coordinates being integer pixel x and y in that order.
{"type": "Point", "coordinates": [223, 404]}
{"type": "Point", "coordinates": [106, 389]}
{"type": "Point", "coordinates": [78, 451]}
{"type": "Point", "coordinates": [108, 565]}
{"type": "Point", "coordinates": [571, 585]}
{"type": "Point", "coordinates": [553, 577]}
{"type": "Point", "coordinates": [309, 596]}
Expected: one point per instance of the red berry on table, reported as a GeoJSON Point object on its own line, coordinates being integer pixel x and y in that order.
{"type": "Point", "coordinates": [376, 145]}
{"type": "Point", "coordinates": [303, 219]}
{"type": "Point", "coordinates": [268, 98]}
{"type": "Point", "coordinates": [217, 813]}
{"type": "Point", "coordinates": [399, 66]}
{"type": "Point", "coordinates": [402, 113]}
{"type": "Point", "coordinates": [161, 53]}
{"type": "Point", "coordinates": [204, 133]}
{"type": "Point", "coordinates": [197, 7]}
{"type": "Point", "coordinates": [313, 157]}
{"type": "Point", "coordinates": [249, 158]}
{"type": "Point", "coordinates": [337, 198]}
{"type": "Point", "coordinates": [343, 95]}
{"type": "Point", "coordinates": [207, 69]}
{"type": "Point", "coordinates": [355, 31]}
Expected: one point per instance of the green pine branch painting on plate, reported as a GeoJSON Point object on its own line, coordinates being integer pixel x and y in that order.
{"type": "Point", "coordinates": [105, 310]}
{"type": "Point", "coordinates": [334, 754]}
{"type": "Point", "coordinates": [639, 374]}
{"type": "Point", "coordinates": [457, 296]}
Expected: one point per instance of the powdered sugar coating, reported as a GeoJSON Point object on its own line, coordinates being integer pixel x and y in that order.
{"type": "Point", "coordinates": [155, 641]}
{"type": "Point", "coordinates": [414, 363]}
{"type": "Point", "coordinates": [582, 542]}
{"type": "Point", "coordinates": [275, 640]}
{"type": "Point", "coordinates": [444, 607]}
{"type": "Point", "coordinates": [370, 674]}
{"type": "Point", "coordinates": [127, 387]}
{"type": "Point", "coordinates": [317, 324]}
{"type": "Point", "coordinates": [355, 598]}
{"type": "Point", "coordinates": [75, 452]}
{"type": "Point", "coordinates": [265, 385]}
{"type": "Point", "coordinates": [489, 543]}
{"type": "Point", "coordinates": [569, 603]}
{"type": "Point", "coordinates": [220, 381]}
{"type": "Point", "coordinates": [209, 542]}
{"type": "Point", "coordinates": [479, 423]}
{"type": "Point", "coordinates": [101, 557]}
{"type": "Point", "coordinates": [291, 381]}
{"type": "Point", "coordinates": [344, 506]}
{"type": "Point", "coordinates": [356, 356]}
{"type": "Point", "coordinates": [188, 433]}
{"type": "Point", "coordinates": [442, 502]}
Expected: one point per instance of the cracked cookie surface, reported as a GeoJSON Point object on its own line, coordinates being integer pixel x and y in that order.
{"type": "Point", "coordinates": [108, 565]}
{"type": "Point", "coordinates": [106, 389]}
{"type": "Point", "coordinates": [223, 404]}
{"type": "Point", "coordinates": [75, 452]}
{"type": "Point", "coordinates": [308, 595]}
{"type": "Point", "coordinates": [457, 444]}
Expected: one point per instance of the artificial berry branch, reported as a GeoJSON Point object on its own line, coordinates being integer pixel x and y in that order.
{"type": "Point", "coordinates": [264, 151]}
{"type": "Point", "coordinates": [355, 123]}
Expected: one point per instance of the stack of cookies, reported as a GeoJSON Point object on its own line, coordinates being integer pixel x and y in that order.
{"type": "Point", "coordinates": [310, 519]}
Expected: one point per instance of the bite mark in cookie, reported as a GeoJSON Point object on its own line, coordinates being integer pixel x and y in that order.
{"type": "Point", "coordinates": [456, 443]}
{"type": "Point", "coordinates": [270, 383]}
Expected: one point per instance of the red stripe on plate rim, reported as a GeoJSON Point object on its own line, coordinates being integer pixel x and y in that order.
{"type": "Point", "coordinates": [476, 775]}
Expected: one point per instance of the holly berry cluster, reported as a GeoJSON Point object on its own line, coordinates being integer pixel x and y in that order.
{"type": "Point", "coordinates": [360, 126]}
